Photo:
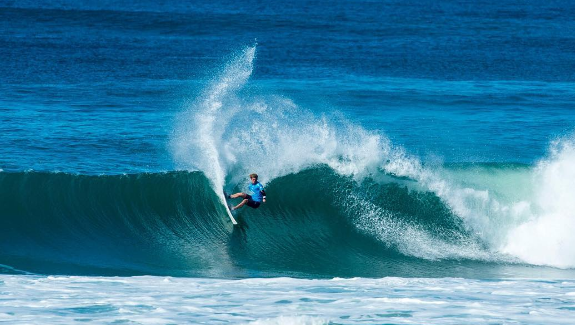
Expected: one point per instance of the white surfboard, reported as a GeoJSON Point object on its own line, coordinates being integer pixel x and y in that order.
{"type": "Point", "coordinates": [228, 210]}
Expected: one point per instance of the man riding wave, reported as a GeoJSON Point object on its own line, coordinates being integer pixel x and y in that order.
{"type": "Point", "coordinates": [255, 199]}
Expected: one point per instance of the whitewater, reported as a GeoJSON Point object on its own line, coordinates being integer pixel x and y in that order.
{"type": "Point", "coordinates": [166, 300]}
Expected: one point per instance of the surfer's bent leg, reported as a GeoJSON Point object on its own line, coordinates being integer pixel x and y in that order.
{"type": "Point", "coordinates": [244, 201]}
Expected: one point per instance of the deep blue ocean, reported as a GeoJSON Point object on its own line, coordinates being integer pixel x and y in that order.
{"type": "Point", "coordinates": [419, 145]}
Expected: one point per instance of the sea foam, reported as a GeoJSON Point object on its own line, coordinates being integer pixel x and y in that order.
{"type": "Point", "coordinates": [274, 301]}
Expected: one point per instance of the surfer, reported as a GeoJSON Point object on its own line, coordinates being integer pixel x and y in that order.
{"type": "Point", "coordinates": [255, 199]}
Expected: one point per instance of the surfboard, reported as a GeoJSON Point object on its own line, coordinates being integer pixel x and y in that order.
{"type": "Point", "coordinates": [229, 209]}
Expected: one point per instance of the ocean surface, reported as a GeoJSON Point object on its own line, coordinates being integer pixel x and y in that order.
{"type": "Point", "coordinates": [418, 157]}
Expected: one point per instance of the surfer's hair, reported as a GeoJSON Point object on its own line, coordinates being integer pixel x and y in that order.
{"type": "Point", "coordinates": [254, 176]}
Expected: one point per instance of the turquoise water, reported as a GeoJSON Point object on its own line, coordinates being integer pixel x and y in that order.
{"type": "Point", "coordinates": [400, 143]}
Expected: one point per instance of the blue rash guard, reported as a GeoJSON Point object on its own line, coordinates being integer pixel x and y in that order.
{"type": "Point", "coordinates": [257, 190]}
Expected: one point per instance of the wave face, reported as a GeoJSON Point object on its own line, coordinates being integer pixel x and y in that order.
{"type": "Point", "coordinates": [174, 223]}
{"type": "Point", "coordinates": [316, 223]}
{"type": "Point", "coordinates": [145, 223]}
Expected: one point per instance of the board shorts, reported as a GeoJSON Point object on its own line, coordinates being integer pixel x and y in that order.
{"type": "Point", "coordinates": [251, 203]}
